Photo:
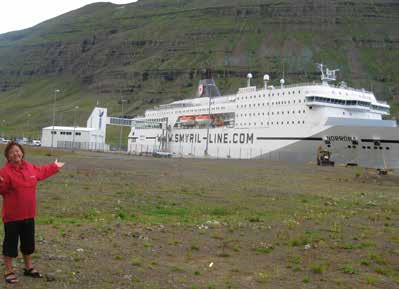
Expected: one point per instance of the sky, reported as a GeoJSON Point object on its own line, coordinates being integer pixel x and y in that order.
{"type": "Point", "coordinates": [21, 14]}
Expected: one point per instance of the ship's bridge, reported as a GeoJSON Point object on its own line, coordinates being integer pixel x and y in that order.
{"type": "Point", "coordinates": [352, 104]}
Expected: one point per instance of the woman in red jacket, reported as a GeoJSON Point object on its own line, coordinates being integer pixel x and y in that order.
{"type": "Point", "coordinates": [18, 179]}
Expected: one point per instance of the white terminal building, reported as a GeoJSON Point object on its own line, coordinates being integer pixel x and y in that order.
{"type": "Point", "coordinates": [91, 137]}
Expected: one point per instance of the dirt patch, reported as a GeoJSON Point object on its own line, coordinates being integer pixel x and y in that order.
{"type": "Point", "coordinates": [117, 221]}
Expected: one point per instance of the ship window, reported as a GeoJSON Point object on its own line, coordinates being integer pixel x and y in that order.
{"type": "Point", "coordinates": [288, 122]}
{"type": "Point", "coordinates": [303, 122]}
{"type": "Point", "coordinates": [263, 113]}
{"type": "Point", "coordinates": [293, 122]}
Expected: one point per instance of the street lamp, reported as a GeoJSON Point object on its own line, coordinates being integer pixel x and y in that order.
{"type": "Point", "coordinates": [52, 131]}
{"type": "Point", "coordinates": [74, 126]}
{"type": "Point", "coordinates": [27, 123]}
{"type": "Point", "coordinates": [120, 134]}
{"type": "Point", "coordinates": [4, 127]}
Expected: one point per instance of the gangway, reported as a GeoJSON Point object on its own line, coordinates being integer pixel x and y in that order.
{"type": "Point", "coordinates": [119, 121]}
{"type": "Point", "coordinates": [137, 122]}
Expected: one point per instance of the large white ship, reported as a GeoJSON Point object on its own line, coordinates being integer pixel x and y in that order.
{"type": "Point", "coordinates": [288, 122]}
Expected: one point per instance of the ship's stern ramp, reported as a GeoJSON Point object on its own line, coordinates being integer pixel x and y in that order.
{"type": "Point", "coordinates": [147, 136]}
{"type": "Point", "coordinates": [366, 143]}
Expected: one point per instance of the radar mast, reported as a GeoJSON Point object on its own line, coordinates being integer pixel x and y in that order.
{"type": "Point", "coordinates": [328, 75]}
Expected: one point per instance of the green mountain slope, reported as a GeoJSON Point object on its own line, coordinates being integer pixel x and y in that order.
{"type": "Point", "coordinates": [155, 51]}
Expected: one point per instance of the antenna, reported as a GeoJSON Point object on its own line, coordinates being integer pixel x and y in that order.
{"type": "Point", "coordinates": [283, 69]}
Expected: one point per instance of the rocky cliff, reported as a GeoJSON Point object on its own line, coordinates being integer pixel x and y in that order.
{"type": "Point", "coordinates": [154, 51]}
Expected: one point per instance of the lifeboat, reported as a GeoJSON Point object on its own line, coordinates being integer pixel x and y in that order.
{"type": "Point", "coordinates": [187, 120]}
{"type": "Point", "coordinates": [203, 119]}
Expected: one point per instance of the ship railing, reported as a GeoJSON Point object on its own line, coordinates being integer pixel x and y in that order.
{"type": "Point", "coordinates": [171, 106]}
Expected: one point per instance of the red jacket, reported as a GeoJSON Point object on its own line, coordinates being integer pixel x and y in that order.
{"type": "Point", "coordinates": [19, 189]}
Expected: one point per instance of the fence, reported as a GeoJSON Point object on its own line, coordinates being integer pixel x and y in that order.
{"type": "Point", "coordinates": [82, 146]}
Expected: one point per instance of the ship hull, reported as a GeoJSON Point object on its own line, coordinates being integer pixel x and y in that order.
{"type": "Point", "coordinates": [374, 147]}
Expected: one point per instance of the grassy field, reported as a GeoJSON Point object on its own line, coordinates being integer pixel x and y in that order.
{"type": "Point", "coordinates": [117, 221]}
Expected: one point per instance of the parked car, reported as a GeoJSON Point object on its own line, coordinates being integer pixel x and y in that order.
{"type": "Point", "coordinates": [4, 140]}
{"type": "Point", "coordinates": [22, 140]}
{"type": "Point", "coordinates": [36, 143]}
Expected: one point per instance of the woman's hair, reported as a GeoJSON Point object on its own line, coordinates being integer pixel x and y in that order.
{"type": "Point", "coordinates": [10, 145]}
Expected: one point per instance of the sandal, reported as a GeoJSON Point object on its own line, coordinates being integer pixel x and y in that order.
{"type": "Point", "coordinates": [11, 278]}
{"type": "Point", "coordinates": [32, 273]}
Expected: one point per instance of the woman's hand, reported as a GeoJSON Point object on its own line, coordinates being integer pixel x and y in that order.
{"type": "Point", "coordinates": [58, 164]}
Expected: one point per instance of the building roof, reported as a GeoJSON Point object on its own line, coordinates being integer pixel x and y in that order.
{"type": "Point", "coordinates": [70, 128]}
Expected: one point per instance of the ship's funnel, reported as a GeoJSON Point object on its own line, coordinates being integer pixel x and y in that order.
{"type": "Point", "coordinates": [207, 88]}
